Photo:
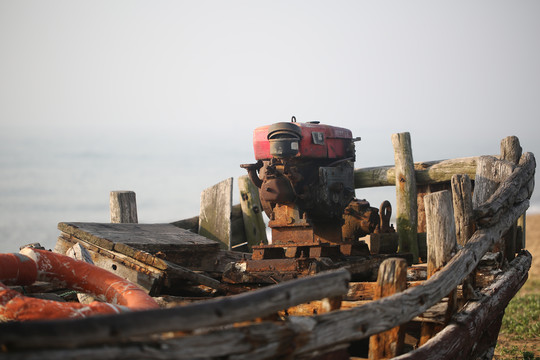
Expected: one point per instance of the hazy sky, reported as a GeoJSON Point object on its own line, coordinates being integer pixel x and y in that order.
{"type": "Point", "coordinates": [194, 78]}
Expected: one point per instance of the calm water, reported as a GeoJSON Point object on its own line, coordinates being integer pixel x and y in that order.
{"type": "Point", "coordinates": [51, 176]}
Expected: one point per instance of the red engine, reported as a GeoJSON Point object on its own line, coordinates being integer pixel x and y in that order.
{"type": "Point", "coordinates": [302, 140]}
{"type": "Point", "coordinates": [305, 179]}
{"type": "Point", "coordinates": [305, 176]}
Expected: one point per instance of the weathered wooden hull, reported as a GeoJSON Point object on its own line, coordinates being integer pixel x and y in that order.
{"type": "Point", "coordinates": [205, 330]}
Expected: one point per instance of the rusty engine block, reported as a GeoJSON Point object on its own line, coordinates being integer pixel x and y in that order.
{"type": "Point", "coordinates": [305, 176]}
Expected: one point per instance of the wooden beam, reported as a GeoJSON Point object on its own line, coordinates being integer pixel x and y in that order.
{"type": "Point", "coordinates": [406, 206]}
{"type": "Point", "coordinates": [215, 312]}
{"type": "Point", "coordinates": [123, 206]}
{"type": "Point", "coordinates": [215, 212]}
{"type": "Point", "coordinates": [429, 172]}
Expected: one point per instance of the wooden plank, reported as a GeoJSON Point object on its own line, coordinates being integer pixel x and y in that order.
{"type": "Point", "coordinates": [143, 241]}
{"type": "Point", "coordinates": [406, 206]}
{"type": "Point", "coordinates": [73, 229]}
{"type": "Point", "coordinates": [215, 213]}
{"type": "Point", "coordinates": [392, 279]}
{"type": "Point", "coordinates": [430, 172]}
{"type": "Point", "coordinates": [215, 312]}
{"type": "Point", "coordinates": [254, 226]}
{"type": "Point", "coordinates": [123, 206]}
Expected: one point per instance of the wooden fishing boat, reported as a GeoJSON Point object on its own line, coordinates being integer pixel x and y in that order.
{"type": "Point", "coordinates": [380, 305]}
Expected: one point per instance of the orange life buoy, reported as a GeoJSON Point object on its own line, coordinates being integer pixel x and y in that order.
{"type": "Point", "coordinates": [32, 265]}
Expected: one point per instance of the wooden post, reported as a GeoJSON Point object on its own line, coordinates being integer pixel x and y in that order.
{"type": "Point", "coordinates": [215, 212]}
{"type": "Point", "coordinates": [392, 278]}
{"type": "Point", "coordinates": [465, 225]}
{"type": "Point", "coordinates": [254, 226]}
{"type": "Point", "coordinates": [463, 208]}
{"type": "Point", "coordinates": [490, 173]}
{"type": "Point", "coordinates": [511, 151]}
{"type": "Point", "coordinates": [405, 195]}
{"type": "Point", "coordinates": [123, 207]}
{"type": "Point", "coordinates": [441, 230]}
{"type": "Point", "coordinates": [441, 244]}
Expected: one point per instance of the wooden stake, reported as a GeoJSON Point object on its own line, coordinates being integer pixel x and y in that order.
{"type": "Point", "coordinates": [441, 244]}
{"type": "Point", "coordinates": [465, 224]}
{"type": "Point", "coordinates": [405, 195]}
{"type": "Point", "coordinates": [463, 208]}
{"type": "Point", "coordinates": [511, 151]}
{"type": "Point", "coordinates": [123, 207]}
{"type": "Point", "coordinates": [392, 279]}
{"type": "Point", "coordinates": [441, 230]}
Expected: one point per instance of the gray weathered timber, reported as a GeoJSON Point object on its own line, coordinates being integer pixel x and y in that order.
{"type": "Point", "coordinates": [515, 188]}
{"type": "Point", "coordinates": [406, 207]}
{"type": "Point", "coordinates": [211, 313]}
{"type": "Point", "coordinates": [441, 230]}
{"type": "Point", "coordinates": [465, 223]}
{"type": "Point", "coordinates": [490, 173]}
{"type": "Point", "coordinates": [441, 244]}
{"type": "Point", "coordinates": [457, 339]}
{"type": "Point", "coordinates": [511, 149]}
{"type": "Point", "coordinates": [215, 212]}
{"type": "Point", "coordinates": [143, 241]}
{"type": "Point", "coordinates": [254, 226]}
{"type": "Point", "coordinates": [392, 279]}
{"type": "Point", "coordinates": [463, 208]}
{"type": "Point", "coordinates": [123, 206]}
{"type": "Point", "coordinates": [430, 172]}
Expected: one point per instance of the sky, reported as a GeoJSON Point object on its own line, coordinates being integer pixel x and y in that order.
{"type": "Point", "coordinates": [188, 81]}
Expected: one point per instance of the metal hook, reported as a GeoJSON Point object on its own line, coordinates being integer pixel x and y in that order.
{"type": "Point", "coordinates": [293, 119]}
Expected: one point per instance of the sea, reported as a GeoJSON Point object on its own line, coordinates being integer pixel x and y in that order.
{"type": "Point", "coordinates": [57, 175]}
